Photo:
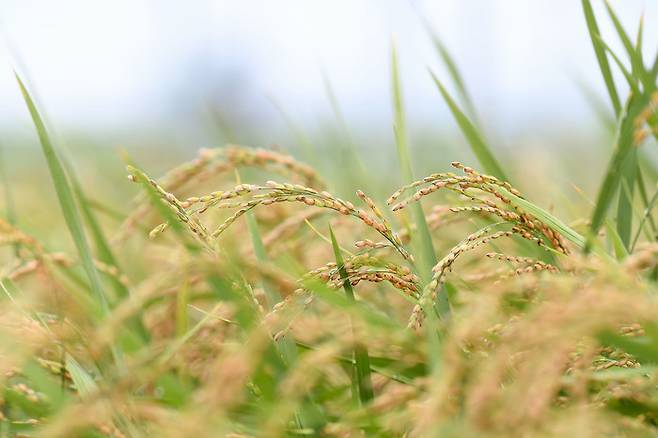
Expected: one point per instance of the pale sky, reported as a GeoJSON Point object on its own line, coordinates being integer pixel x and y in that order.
{"type": "Point", "coordinates": [126, 63]}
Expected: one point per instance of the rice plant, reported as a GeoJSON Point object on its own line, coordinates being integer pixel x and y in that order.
{"type": "Point", "coordinates": [241, 296]}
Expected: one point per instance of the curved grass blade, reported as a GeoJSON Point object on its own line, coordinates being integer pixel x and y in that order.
{"type": "Point", "coordinates": [285, 346]}
{"type": "Point", "coordinates": [361, 358]}
{"type": "Point", "coordinates": [625, 204]}
{"type": "Point", "coordinates": [645, 202]}
{"type": "Point", "coordinates": [630, 78]}
{"type": "Point", "coordinates": [615, 240]}
{"type": "Point", "coordinates": [66, 200]}
{"type": "Point", "coordinates": [103, 250]}
{"type": "Point", "coordinates": [453, 70]}
{"type": "Point", "coordinates": [554, 223]}
{"type": "Point", "coordinates": [83, 382]}
{"type": "Point", "coordinates": [478, 145]}
{"type": "Point", "coordinates": [604, 66]}
{"type": "Point", "coordinates": [634, 52]}
{"type": "Point", "coordinates": [647, 215]}
{"type": "Point", "coordinates": [616, 170]}
{"type": "Point", "coordinates": [422, 239]}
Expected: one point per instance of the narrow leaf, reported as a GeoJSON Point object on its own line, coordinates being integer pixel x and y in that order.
{"type": "Point", "coordinates": [604, 66]}
{"type": "Point", "coordinates": [453, 70]}
{"type": "Point", "coordinates": [361, 359]}
{"type": "Point", "coordinates": [422, 239]}
{"type": "Point", "coordinates": [475, 140]}
{"type": "Point", "coordinates": [66, 200]}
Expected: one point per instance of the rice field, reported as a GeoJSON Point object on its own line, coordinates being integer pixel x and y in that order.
{"type": "Point", "coordinates": [245, 292]}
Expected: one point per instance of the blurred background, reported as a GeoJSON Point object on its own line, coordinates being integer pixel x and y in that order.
{"type": "Point", "coordinates": [176, 76]}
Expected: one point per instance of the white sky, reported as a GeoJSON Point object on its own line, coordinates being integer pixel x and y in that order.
{"type": "Point", "coordinates": [121, 63]}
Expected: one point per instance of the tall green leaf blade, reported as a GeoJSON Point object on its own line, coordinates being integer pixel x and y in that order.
{"type": "Point", "coordinates": [361, 358]}
{"type": "Point", "coordinates": [625, 205]}
{"type": "Point", "coordinates": [285, 345]}
{"type": "Point", "coordinates": [66, 199]}
{"type": "Point", "coordinates": [624, 144]}
{"type": "Point", "coordinates": [647, 215]}
{"type": "Point", "coordinates": [604, 66]}
{"type": "Point", "coordinates": [630, 78]}
{"type": "Point", "coordinates": [634, 52]}
{"type": "Point", "coordinates": [422, 239]}
{"type": "Point", "coordinates": [554, 223]}
{"type": "Point", "coordinates": [83, 382]}
{"type": "Point", "coordinates": [103, 250]}
{"type": "Point", "coordinates": [453, 70]}
{"type": "Point", "coordinates": [475, 140]}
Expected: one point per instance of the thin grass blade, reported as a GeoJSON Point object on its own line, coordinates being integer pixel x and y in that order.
{"type": "Point", "coordinates": [453, 70]}
{"type": "Point", "coordinates": [361, 358]}
{"type": "Point", "coordinates": [422, 239]}
{"type": "Point", "coordinates": [66, 199]}
{"type": "Point", "coordinates": [604, 66]}
{"type": "Point", "coordinates": [474, 137]}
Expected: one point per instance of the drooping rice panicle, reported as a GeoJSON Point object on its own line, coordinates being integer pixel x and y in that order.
{"type": "Point", "coordinates": [274, 192]}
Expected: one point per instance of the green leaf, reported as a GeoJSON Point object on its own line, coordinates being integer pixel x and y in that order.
{"type": "Point", "coordinates": [453, 70]}
{"type": "Point", "coordinates": [633, 55]}
{"type": "Point", "coordinates": [103, 250]}
{"type": "Point", "coordinates": [474, 137]}
{"type": "Point", "coordinates": [361, 359]}
{"type": "Point", "coordinates": [604, 66]}
{"type": "Point", "coordinates": [624, 145]}
{"type": "Point", "coordinates": [66, 200]}
{"type": "Point", "coordinates": [647, 215]}
{"type": "Point", "coordinates": [618, 245]}
{"type": "Point", "coordinates": [551, 221]}
{"type": "Point", "coordinates": [84, 383]}
{"type": "Point", "coordinates": [625, 204]}
{"type": "Point", "coordinates": [630, 79]}
{"type": "Point", "coordinates": [422, 238]}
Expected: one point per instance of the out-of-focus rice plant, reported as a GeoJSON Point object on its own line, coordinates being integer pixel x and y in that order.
{"type": "Point", "coordinates": [240, 296]}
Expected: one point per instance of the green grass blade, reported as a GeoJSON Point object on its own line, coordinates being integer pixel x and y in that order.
{"type": "Point", "coordinates": [617, 244]}
{"type": "Point", "coordinates": [623, 35]}
{"type": "Point", "coordinates": [285, 346]}
{"type": "Point", "coordinates": [66, 200]}
{"type": "Point", "coordinates": [554, 223]}
{"type": "Point", "coordinates": [630, 79]}
{"type": "Point", "coordinates": [83, 382]}
{"type": "Point", "coordinates": [645, 202]}
{"type": "Point", "coordinates": [422, 239]}
{"type": "Point", "coordinates": [361, 358]}
{"type": "Point", "coordinates": [634, 52]}
{"type": "Point", "coordinates": [615, 172]}
{"type": "Point", "coordinates": [475, 139]}
{"type": "Point", "coordinates": [625, 203]}
{"type": "Point", "coordinates": [103, 250]}
{"type": "Point", "coordinates": [604, 66]}
{"type": "Point", "coordinates": [399, 122]}
{"type": "Point", "coordinates": [647, 215]}
{"type": "Point", "coordinates": [453, 70]}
